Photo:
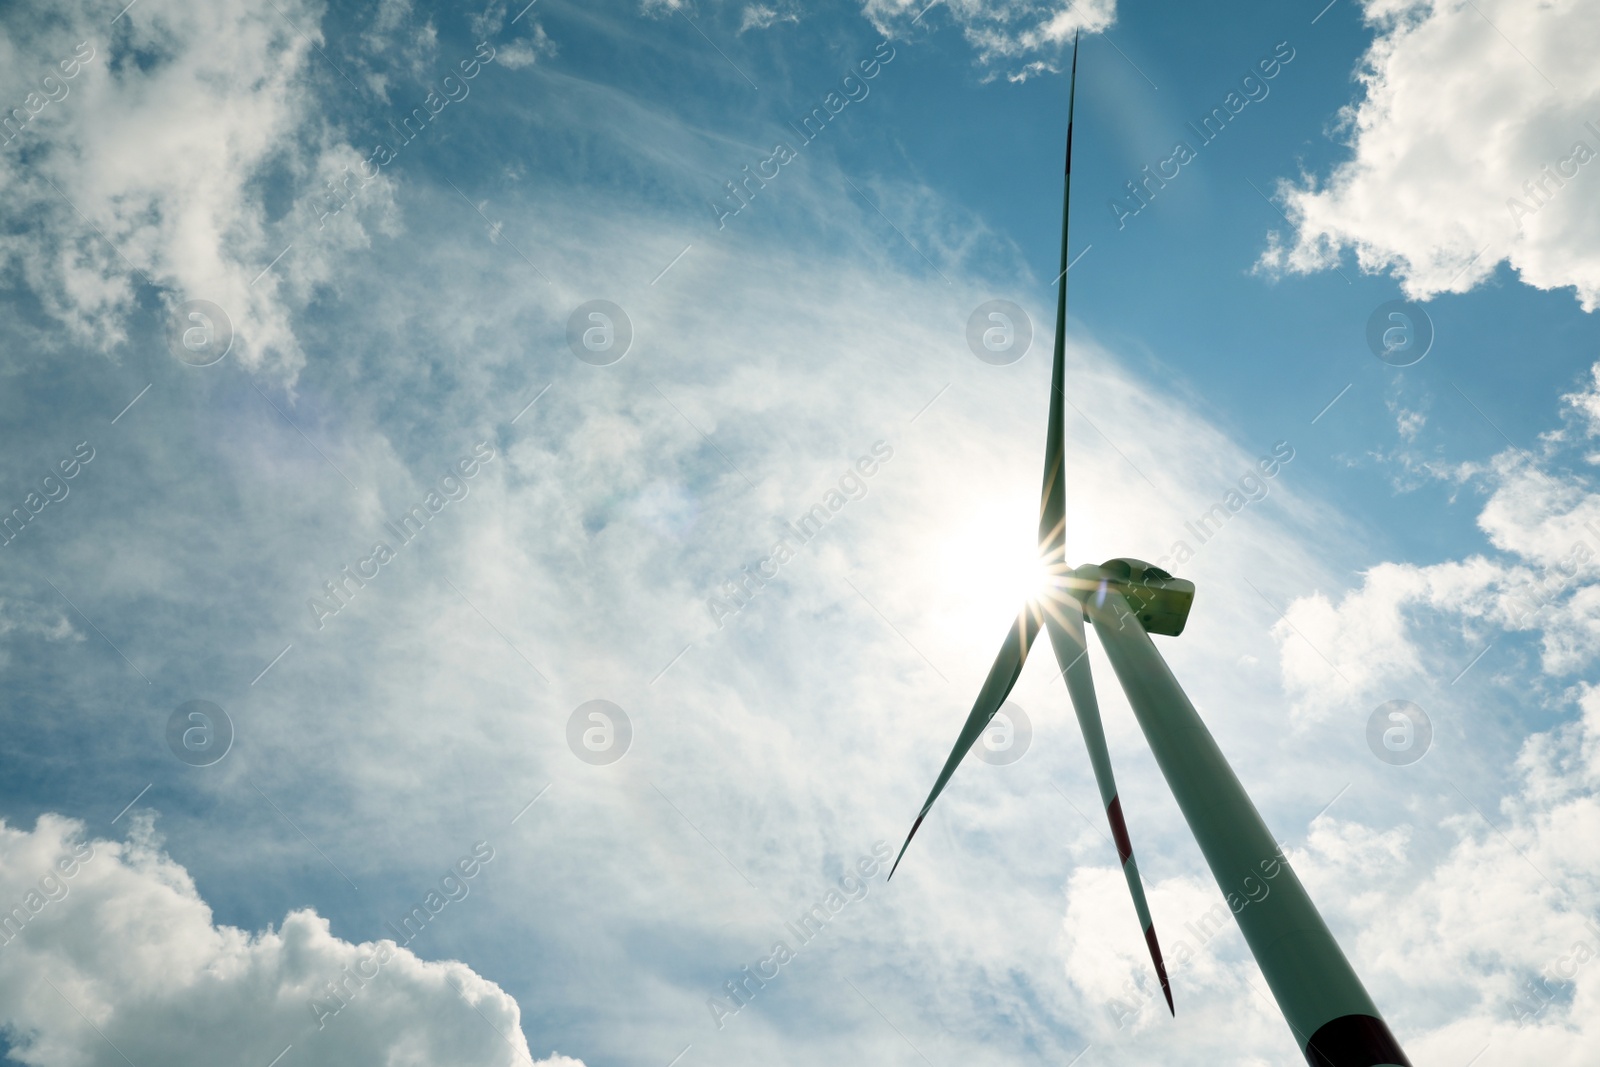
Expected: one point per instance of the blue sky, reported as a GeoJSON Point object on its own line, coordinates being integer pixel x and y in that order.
{"type": "Point", "coordinates": [425, 325]}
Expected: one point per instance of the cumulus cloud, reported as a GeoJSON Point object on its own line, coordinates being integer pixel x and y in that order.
{"type": "Point", "coordinates": [1542, 523]}
{"type": "Point", "coordinates": [1475, 143]}
{"type": "Point", "coordinates": [108, 951]}
{"type": "Point", "coordinates": [1018, 37]}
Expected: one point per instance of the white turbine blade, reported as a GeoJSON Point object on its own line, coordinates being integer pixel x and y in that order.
{"type": "Point", "coordinates": [1052, 495]}
{"type": "Point", "coordinates": [996, 687]}
{"type": "Point", "coordinates": [1064, 620]}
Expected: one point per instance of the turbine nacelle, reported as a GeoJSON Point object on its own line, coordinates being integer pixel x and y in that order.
{"type": "Point", "coordinates": [1160, 601]}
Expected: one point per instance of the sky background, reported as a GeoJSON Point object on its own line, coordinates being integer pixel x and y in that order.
{"type": "Point", "coordinates": [1433, 539]}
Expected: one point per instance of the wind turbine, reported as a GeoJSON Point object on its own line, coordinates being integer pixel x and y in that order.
{"type": "Point", "coordinates": [1329, 1011]}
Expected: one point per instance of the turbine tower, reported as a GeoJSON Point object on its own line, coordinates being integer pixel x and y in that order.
{"type": "Point", "coordinates": [1333, 1019]}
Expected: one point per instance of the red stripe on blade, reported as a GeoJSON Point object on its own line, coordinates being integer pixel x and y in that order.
{"type": "Point", "coordinates": [1161, 967]}
{"type": "Point", "coordinates": [1119, 829]}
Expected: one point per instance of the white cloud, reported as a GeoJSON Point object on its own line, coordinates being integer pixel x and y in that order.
{"type": "Point", "coordinates": [109, 951]}
{"type": "Point", "coordinates": [194, 148]}
{"type": "Point", "coordinates": [1020, 37]}
{"type": "Point", "coordinates": [519, 52]}
{"type": "Point", "coordinates": [1544, 527]}
{"type": "Point", "coordinates": [403, 37]}
{"type": "Point", "coordinates": [19, 617]}
{"type": "Point", "coordinates": [1504, 907]}
{"type": "Point", "coordinates": [1465, 104]}
{"type": "Point", "coordinates": [763, 16]}
{"type": "Point", "coordinates": [162, 156]}
{"type": "Point", "coordinates": [1410, 423]}
{"type": "Point", "coordinates": [1586, 402]}
{"type": "Point", "coordinates": [526, 51]}
{"type": "Point", "coordinates": [22, 616]}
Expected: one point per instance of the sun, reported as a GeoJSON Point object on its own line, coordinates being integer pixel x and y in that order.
{"type": "Point", "coordinates": [1032, 578]}
{"type": "Point", "coordinates": [993, 560]}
